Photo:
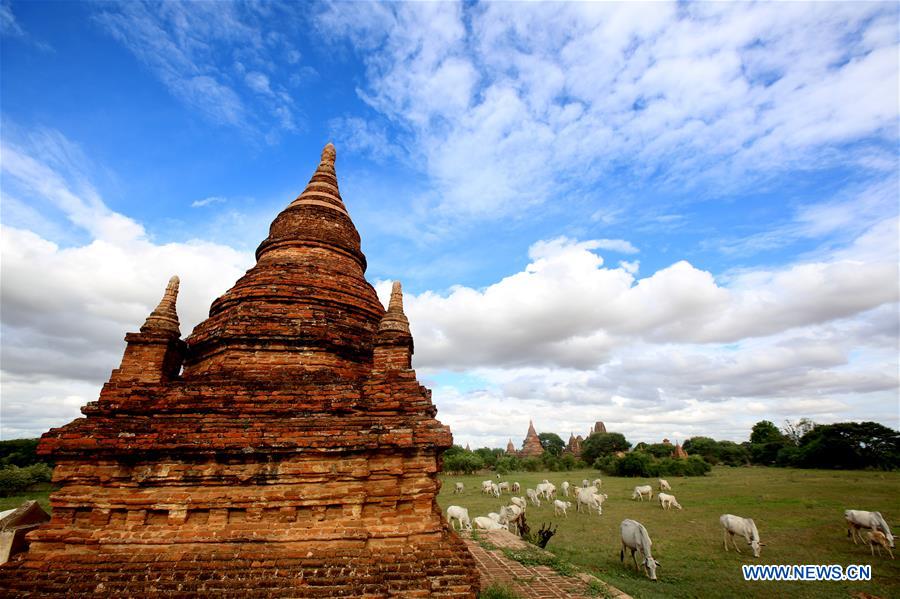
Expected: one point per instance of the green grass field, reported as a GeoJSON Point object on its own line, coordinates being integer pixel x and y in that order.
{"type": "Point", "coordinates": [799, 514]}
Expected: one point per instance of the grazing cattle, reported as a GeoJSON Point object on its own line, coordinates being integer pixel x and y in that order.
{"type": "Point", "coordinates": [461, 515]}
{"type": "Point", "coordinates": [560, 507]}
{"type": "Point", "coordinates": [666, 501]}
{"type": "Point", "coordinates": [504, 486]}
{"type": "Point", "coordinates": [857, 519]}
{"type": "Point", "coordinates": [546, 490]}
{"type": "Point", "coordinates": [735, 525]}
{"type": "Point", "coordinates": [516, 488]}
{"type": "Point", "coordinates": [564, 487]}
{"type": "Point", "coordinates": [495, 490]}
{"type": "Point", "coordinates": [635, 538]}
{"type": "Point", "coordinates": [518, 501]}
{"type": "Point", "coordinates": [459, 488]}
{"type": "Point", "coordinates": [533, 496]}
{"type": "Point", "coordinates": [878, 538]}
{"type": "Point", "coordinates": [664, 485]}
{"type": "Point", "coordinates": [597, 483]}
{"type": "Point", "coordinates": [584, 483]}
{"type": "Point", "coordinates": [486, 486]}
{"type": "Point", "coordinates": [642, 490]}
{"type": "Point", "coordinates": [485, 523]}
{"type": "Point", "coordinates": [591, 500]}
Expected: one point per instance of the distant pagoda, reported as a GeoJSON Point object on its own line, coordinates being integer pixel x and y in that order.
{"type": "Point", "coordinates": [510, 448]}
{"type": "Point", "coordinates": [295, 455]}
{"type": "Point", "coordinates": [531, 446]}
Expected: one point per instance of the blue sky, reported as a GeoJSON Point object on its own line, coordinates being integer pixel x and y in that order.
{"type": "Point", "coordinates": [676, 218]}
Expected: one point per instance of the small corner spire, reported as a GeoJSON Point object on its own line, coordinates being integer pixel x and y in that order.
{"type": "Point", "coordinates": [165, 317]}
{"type": "Point", "coordinates": [394, 319]}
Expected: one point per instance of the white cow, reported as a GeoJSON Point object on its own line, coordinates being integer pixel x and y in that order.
{"type": "Point", "coordinates": [857, 519]}
{"type": "Point", "coordinates": [461, 515]}
{"type": "Point", "coordinates": [486, 486]}
{"type": "Point", "coordinates": [597, 483]}
{"type": "Point", "coordinates": [485, 523]}
{"type": "Point", "coordinates": [516, 488]}
{"type": "Point", "coordinates": [584, 483]}
{"type": "Point", "coordinates": [504, 486]}
{"type": "Point", "coordinates": [511, 515]}
{"type": "Point", "coordinates": [666, 501]}
{"type": "Point", "coordinates": [664, 485]}
{"type": "Point", "coordinates": [560, 507]}
{"type": "Point", "coordinates": [546, 490]}
{"type": "Point", "coordinates": [564, 487]}
{"type": "Point", "coordinates": [635, 538]}
{"type": "Point", "coordinates": [459, 488]}
{"type": "Point", "coordinates": [495, 490]}
{"type": "Point", "coordinates": [592, 501]}
{"type": "Point", "coordinates": [642, 490]}
{"type": "Point", "coordinates": [518, 501]}
{"type": "Point", "coordinates": [533, 496]}
{"type": "Point", "coordinates": [498, 518]}
{"type": "Point", "coordinates": [735, 525]}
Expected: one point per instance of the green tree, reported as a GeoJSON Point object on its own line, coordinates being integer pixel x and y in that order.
{"type": "Point", "coordinates": [765, 443]}
{"type": "Point", "coordinates": [602, 444]}
{"type": "Point", "coordinates": [552, 443]}
{"type": "Point", "coordinates": [465, 462]}
{"type": "Point", "coordinates": [19, 452]}
{"type": "Point", "coordinates": [850, 445]}
{"type": "Point", "coordinates": [659, 450]}
{"type": "Point", "coordinates": [731, 453]}
{"type": "Point", "coordinates": [705, 447]}
{"type": "Point", "coordinates": [765, 432]}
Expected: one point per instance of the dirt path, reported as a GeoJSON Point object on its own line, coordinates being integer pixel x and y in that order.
{"type": "Point", "coordinates": [531, 582]}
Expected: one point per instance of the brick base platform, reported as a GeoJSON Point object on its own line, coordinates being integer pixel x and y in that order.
{"type": "Point", "coordinates": [529, 582]}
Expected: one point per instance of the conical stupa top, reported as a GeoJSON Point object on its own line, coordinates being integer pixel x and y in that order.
{"type": "Point", "coordinates": [165, 317]}
{"type": "Point", "coordinates": [531, 431]}
{"type": "Point", "coordinates": [394, 319]}
{"type": "Point", "coordinates": [322, 189]}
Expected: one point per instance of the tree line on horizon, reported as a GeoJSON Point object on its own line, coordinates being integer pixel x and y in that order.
{"type": "Point", "coordinates": [798, 444]}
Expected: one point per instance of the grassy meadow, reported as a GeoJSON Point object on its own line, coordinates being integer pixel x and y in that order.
{"type": "Point", "coordinates": [799, 514]}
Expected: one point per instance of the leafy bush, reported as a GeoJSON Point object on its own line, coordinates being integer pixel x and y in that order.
{"type": "Point", "coordinates": [532, 464]}
{"type": "Point", "coordinates": [508, 464]}
{"type": "Point", "coordinates": [16, 480]}
{"type": "Point", "coordinates": [602, 444]}
{"type": "Point", "coordinates": [642, 464]}
{"type": "Point", "coordinates": [19, 452]}
{"type": "Point", "coordinates": [466, 462]}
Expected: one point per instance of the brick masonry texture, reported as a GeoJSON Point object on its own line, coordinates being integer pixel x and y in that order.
{"type": "Point", "coordinates": [284, 449]}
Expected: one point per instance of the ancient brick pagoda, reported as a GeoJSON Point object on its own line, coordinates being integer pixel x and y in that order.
{"type": "Point", "coordinates": [285, 448]}
{"type": "Point", "coordinates": [531, 446]}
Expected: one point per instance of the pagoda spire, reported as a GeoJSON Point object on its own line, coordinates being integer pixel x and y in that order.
{"type": "Point", "coordinates": [322, 189]}
{"type": "Point", "coordinates": [394, 319]}
{"type": "Point", "coordinates": [394, 343]}
{"type": "Point", "coordinates": [164, 318]}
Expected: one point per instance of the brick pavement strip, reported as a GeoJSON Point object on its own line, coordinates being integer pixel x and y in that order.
{"type": "Point", "coordinates": [529, 582]}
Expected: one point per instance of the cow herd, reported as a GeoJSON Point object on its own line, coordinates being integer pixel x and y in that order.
{"type": "Point", "coordinates": [634, 536]}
